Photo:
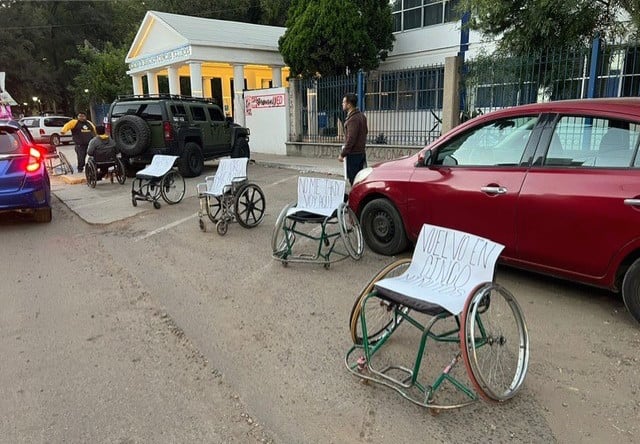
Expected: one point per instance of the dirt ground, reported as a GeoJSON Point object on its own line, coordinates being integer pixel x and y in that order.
{"type": "Point", "coordinates": [148, 330]}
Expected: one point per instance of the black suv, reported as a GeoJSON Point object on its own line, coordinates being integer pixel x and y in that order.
{"type": "Point", "coordinates": [192, 128]}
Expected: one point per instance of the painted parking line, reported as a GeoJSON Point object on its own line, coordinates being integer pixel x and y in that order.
{"type": "Point", "coordinates": [193, 216]}
{"type": "Point", "coordinates": [166, 227]}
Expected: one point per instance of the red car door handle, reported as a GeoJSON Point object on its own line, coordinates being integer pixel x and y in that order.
{"type": "Point", "coordinates": [632, 202]}
{"type": "Point", "coordinates": [494, 190]}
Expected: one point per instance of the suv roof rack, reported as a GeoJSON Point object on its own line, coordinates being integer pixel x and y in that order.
{"type": "Point", "coordinates": [131, 97]}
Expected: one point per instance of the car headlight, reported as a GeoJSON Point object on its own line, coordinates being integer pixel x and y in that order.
{"type": "Point", "coordinates": [362, 175]}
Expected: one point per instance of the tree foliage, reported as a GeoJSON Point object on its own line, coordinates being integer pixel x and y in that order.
{"type": "Point", "coordinates": [331, 37]}
{"type": "Point", "coordinates": [544, 24]}
{"type": "Point", "coordinates": [53, 49]}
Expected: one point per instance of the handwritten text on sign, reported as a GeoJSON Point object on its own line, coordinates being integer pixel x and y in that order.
{"type": "Point", "coordinates": [228, 170]}
{"type": "Point", "coordinates": [446, 266]}
{"type": "Point", "coordinates": [266, 101]}
{"type": "Point", "coordinates": [318, 195]}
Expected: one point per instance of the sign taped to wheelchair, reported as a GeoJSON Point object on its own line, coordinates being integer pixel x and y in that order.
{"type": "Point", "coordinates": [445, 267]}
{"type": "Point", "coordinates": [318, 195]}
{"type": "Point", "coordinates": [160, 165]}
{"type": "Point", "coordinates": [228, 169]}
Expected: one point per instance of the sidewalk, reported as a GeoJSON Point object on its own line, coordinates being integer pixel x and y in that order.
{"type": "Point", "coordinates": [112, 202]}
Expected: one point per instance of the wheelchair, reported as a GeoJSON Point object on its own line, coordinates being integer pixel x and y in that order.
{"type": "Point", "coordinates": [228, 196]}
{"type": "Point", "coordinates": [320, 205]}
{"type": "Point", "coordinates": [480, 320]}
{"type": "Point", "coordinates": [106, 163]}
{"type": "Point", "coordinates": [56, 162]}
{"type": "Point", "coordinates": [159, 179]}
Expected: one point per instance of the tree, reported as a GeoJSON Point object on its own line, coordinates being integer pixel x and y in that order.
{"type": "Point", "coordinates": [101, 75]}
{"type": "Point", "coordinates": [545, 24]}
{"type": "Point", "coordinates": [331, 37]}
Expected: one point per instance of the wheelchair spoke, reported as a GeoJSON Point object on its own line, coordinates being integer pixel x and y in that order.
{"type": "Point", "coordinates": [494, 343]}
{"type": "Point", "coordinates": [249, 205]}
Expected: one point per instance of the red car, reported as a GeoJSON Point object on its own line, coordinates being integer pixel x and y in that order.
{"type": "Point", "coordinates": [557, 183]}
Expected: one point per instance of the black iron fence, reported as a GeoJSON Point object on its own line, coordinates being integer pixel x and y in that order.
{"type": "Point", "coordinates": [404, 107]}
{"type": "Point", "coordinates": [598, 70]}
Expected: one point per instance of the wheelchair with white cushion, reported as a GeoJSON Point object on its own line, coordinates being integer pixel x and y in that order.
{"type": "Point", "coordinates": [228, 196]}
{"type": "Point", "coordinates": [446, 292]}
{"type": "Point", "coordinates": [159, 179]}
{"type": "Point", "coordinates": [320, 205]}
{"type": "Point", "coordinates": [103, 164]}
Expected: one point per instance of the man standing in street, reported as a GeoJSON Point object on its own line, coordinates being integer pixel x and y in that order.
{"type": "Point", "coordinates": [82, 131]}
{"type": "Point", "coordinates": [355, 125]}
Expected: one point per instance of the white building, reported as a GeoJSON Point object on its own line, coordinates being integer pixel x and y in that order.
{"type": "Point", "coordinates": [205, 57]}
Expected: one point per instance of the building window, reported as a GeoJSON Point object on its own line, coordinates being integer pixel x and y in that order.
{"type": "Point", "coordinates": [405, 90]}
{"type": "Point", "coordinates": [412, 14]}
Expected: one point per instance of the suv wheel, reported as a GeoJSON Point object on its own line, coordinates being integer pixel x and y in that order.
{"type": "Point", "coordinates": [132, 135]}
{"type": "Point", "coordinates": [241, 148]}
{"type": "Point", "coordinates": [191, 162]}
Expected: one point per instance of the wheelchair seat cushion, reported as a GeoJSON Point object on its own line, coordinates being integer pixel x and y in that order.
{"type": "Point", "coordinates": [415, 304]}
{"type": "Point", "coordinates": [308, 217]}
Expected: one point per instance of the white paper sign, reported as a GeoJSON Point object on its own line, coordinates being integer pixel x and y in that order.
{"type": "Point", "coordinates": [446, 266]}
{"type": "Point", "coordinates": [318, 195]}
{"type": "Point", "coordinates": [160, 165]}
{"type": "Point", "coordinates": [228, 169]}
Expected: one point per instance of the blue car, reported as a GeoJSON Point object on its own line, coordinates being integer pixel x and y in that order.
{"type": "Point", "coordinates": [24, 181]}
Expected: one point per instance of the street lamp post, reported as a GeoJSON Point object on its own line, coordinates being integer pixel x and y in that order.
{"type": "Point", "coordinates": [36, 103]}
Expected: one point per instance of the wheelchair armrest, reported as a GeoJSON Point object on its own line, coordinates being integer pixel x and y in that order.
{"type": "Point", "coordinates": [201, 188]}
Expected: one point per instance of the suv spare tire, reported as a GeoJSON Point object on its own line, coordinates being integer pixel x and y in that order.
{"type": "Point", "coordinates": [132, 135]}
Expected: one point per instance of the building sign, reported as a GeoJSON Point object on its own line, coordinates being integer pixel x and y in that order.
{"type": "Point", "coordinates": [164, 58]}
{"type": "Point", "coordinates": [266, 101]}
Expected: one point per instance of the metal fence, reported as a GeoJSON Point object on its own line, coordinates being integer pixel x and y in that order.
{"type": "Point", "coordinates": [599, 70]}
{"type": "Point", "coordinates": [402, 107]}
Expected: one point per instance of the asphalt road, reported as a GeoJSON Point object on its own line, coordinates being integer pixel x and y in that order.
{"type": "Point", "coordinates": [146, 329]}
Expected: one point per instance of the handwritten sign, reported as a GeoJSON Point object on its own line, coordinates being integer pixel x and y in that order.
{"type": "Point", "coordinates": [265, 101]}
{"type": "Point", "coordinates": [446, 266]}
{"type": "Point", "coordinates": [318, 195]}
{"type": "Point", "coordinates": [160, 165]}
{"type": "Point", "coordinates": [228, 169]}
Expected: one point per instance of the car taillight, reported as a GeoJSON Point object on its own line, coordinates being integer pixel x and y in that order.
{"type": "Point", "coordinates": [41, 132]}
{"type": "Point", "coordinates": [107, 128]}
{"type": "Point", "coordinates": [168, 131]}
{"type": "Point", "coordinates": [35, 160]}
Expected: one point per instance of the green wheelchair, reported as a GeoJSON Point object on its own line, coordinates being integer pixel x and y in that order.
{"type": "Point", "coordinates": [484, 328]}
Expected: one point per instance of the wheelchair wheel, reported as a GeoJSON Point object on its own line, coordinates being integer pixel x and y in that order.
{"type": "Point", "coordinates": [350, 231]}
{"type": "Point", "coordinates": [172, 187]}
{"type": "Point", "coordinates": [64, 164]}
{"type": "Point", "coordinates": [221, 227]}
{"type": "Point", "coordinates": [91, 174]}
{"type": "Point", "coordinates": [214, 206]}
{"type": "Point", "coordinates": [494, 342]}
{"type": "Point", "coordinates": [119, 171]}
{"type": "Point", "coordinates": [249, 206]}
{"type": "Point", "coordinates": [380, 314]}
{"type": "Point", "coordinates": [281, 236]}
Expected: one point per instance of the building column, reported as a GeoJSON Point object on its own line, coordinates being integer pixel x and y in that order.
{"type": "Point", "coordinates": [137, 84]}
{"type": "Point", "coordinates": [174, 80]}
{"type": "Point", "coordinates": [206, 87]}
{"type": "Point", "coordinates": [196, 78]}
{"type": "Point", "coordinates": [238, 94]}
{"type": "Point", "coordinates": [152, 82]}
{"type": "Point", "coordinates": [276, 76]}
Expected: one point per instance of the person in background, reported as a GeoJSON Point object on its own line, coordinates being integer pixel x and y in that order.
{"type": "Point", "coordinates": [102, 148]}
{"type": "Point", "coordinates": [82, 131]}
{"type": "Point", "coordinates": [355, 128]}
